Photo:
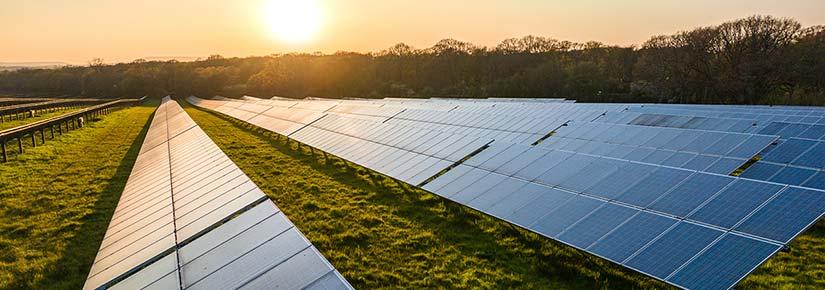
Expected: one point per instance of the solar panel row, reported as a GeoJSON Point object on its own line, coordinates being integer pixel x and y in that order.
{"type": "Point", "coordinates": [651, 218]}
{"type": "Point", "coordinates": [642, 195]}
{"type": "Point", "coordinates": [676, 121]}
{"type": "Point", "coordinates": [793, 161]}
{"type": "Point", "coordinates": [795, 130]}
{"type": "Point", "coordinates": [189, 218]}
{"type": "Point", "coordinates": [764, 116]}
{"type": "Point", "coordinates": [711, 151]}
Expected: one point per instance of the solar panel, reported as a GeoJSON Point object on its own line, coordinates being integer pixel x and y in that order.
{"type": "Point", "coordinates": [676, 246]}
{"type": "Point", "coordinates": [717, 152]}
{"type": "Point", "coordinates": [654, 196]}
{"type": "Point", "coordinates": [188, 215]}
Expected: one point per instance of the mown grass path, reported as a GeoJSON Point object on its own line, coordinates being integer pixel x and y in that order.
{"type": "Point", "coordinates": [56, 200]}
{"type": "Point", "coordinates": [380, 234]}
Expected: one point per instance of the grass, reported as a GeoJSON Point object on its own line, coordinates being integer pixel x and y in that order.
{"type": "Point", "coordinates": [37, 117]}
{"type": "Point", "coordinates": [382, 234]}
{"type": "Point", "coordinates": [57, 199]}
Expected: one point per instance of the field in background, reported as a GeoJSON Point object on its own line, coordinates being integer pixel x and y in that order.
{"type": "Point", "coordinates": [57, 200]}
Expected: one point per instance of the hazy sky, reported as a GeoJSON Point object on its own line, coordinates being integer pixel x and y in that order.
{"type": "Point", "coordinates": [76, 31]}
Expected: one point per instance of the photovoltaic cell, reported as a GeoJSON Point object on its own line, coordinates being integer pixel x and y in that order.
{"type": "Point", "coordinates": [674, 248]}
{"type": "Point", "coordinates": [786, 215]}
{"type": "Point", "coordinates": [761, 171]}
{"type": "Point", "coordinates": [546, 200]}
{"type": "Point", "coordinates": [814, 158]}
{"type": "Point", "coordinates": [789, 150]}
{"type": "Point", "coordinates": [724, 263]}
{"type": "Point", "coordinates": [735, 202]}
{"type": "Point", "coordinates": [653, 186]}
{"type": "Point", "coordinates": [555, 221]}
{"type": "Point", "coordinates": [596, 225]}
{"type": "Point", "coordinates": [687, 196]}
{"type": "Point", "coordinates": [817, 181]}
{"type": "Point", "coordinates": [792, 175]}
{"type": "Point", "coordinates": [631, 236]}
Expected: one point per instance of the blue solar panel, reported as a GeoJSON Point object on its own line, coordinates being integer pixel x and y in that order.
{"type": "Point", "coordinates": [653, 186]}
{"type": "Point", "coordinates": [477, 188]}
{"type": "Point", "coordinates": [704, 142]}
{"type": "Point", "coordinates": [725, 144]}
{"type": "Point", "coordinates": [678, 159]}
{"type": "Point", "coordinates": [545, 202]}
{"type": "Point", "coordinates": [657, 157]}
{"type": "Point", "coordinates": [725, 166]}
{"type": "Point", "coordinates": [542, 165]}
{"type": "Point", "coordinates": [618, 182]}
{"type": "Point", "coordinates": [735, 202]}
{"type": "Point", "coordinates": [700, 162]}
{"type": "Point", "coordinates": [753, 145]}
{"type": "Point", "coordinates": [792, 175]}
{"type": "Point", "coordinates": [786, 215]}
{"type": "Point", "coordinates": [521, 161]}
{"type": "Point", "coordinates": [815, 157]}
{"type": "Point", "coordinates": [690, 194]}
{"type": "Point", "coordinates": [817, 181]}
{"type": "Point", "coordinates": [761, 171]}
{"type": "Point", "coordinates": [792, 130]}
{"type": "Point", "coordinates": [595, 172]}
{"type": "Point", "coordinates": [569, 168]}
{"type": "Point", "coordinates": [631, 236]}
{"type": "Point", "coordinates": [724, 263]}
{"type": "Point", "coordinates": [518, 199]}
{"type": "Point", "coordinates": [472, 176]}
{"type": "Point", "coordinates": [497, 193]}
{"type": "Point", "coordinates": [639, 154]}
{"type": "Point", "coordinates": [662, 138]}
{"type": "Point", "coordinates": [565, 215]}
{"type": "Point", "coordinates": [673, 249]}
{"type": "Point", "coordinates": [682, 140]}
{"type": "Point", "coordinates": [596, 225]}
{"type": "Point", "coordinates": [789, 150]}
{"type": "Point", "coordinates": [814, 132]}
{"type": "Point", "coordinates": [773, 128]}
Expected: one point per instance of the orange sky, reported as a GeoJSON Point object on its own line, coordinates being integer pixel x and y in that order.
{"type": "Point", "coordinates": [78, 30]}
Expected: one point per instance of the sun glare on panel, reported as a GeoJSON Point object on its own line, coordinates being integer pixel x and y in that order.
{"type": "Point", "coordinates": [294, 21]}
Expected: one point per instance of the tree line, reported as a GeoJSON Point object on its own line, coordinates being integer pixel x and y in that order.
{"type": "Point", "coordinates": [755, 60]}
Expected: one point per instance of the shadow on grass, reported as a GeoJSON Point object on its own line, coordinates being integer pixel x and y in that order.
{"type": "Point", "coordinates": [80, 251]}
{"type": "Point", "coordinates": [473, 233]}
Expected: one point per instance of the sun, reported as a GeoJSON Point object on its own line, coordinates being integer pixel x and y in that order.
{"type": "Point", "coordinates": [294, 21]}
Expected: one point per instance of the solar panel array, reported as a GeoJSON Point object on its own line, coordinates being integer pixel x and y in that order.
{"type": "Point", "coordinates": [711, 151]}
{"type": "Point", "coordinates": [189, 218]}
{"type": "Point", "coordinates": [649, 187]}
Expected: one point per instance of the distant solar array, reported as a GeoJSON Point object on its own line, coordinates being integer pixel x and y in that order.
{"type": "Point", "coordinates": [189, 218]}
{"type": "Point", "coordinates": [647, 186]}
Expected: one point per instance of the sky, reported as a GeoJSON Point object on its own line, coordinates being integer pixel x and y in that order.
{"type": "Point", "coordinates": [76, 31]}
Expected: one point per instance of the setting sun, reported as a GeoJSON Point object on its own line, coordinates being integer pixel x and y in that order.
{"type": "Point", "coordinates": [294, 21]}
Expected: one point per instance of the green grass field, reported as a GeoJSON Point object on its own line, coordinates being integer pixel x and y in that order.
{"type": "Point", "coordinates": [57, 200]}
